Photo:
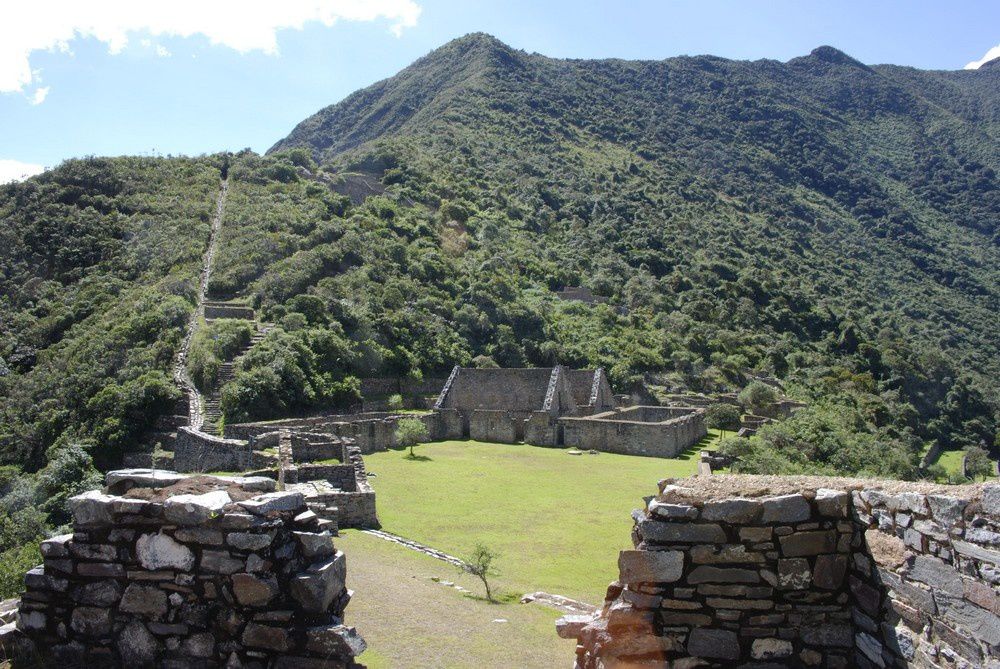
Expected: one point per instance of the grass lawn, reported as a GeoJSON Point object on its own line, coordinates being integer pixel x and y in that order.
{"type": "Point", "coordinates": [951, 461]}
{"type": "Point", "coordinates": [410, 621]}
{"type": "Point", "coordinates": [558, 520]}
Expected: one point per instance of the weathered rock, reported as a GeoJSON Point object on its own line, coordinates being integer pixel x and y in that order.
{"type": "Point", "coordinates": [199, 645]}
{"type": "Point", "coordinates": [650, 566]}
{"type": "Point", "coordinates": [92, 508]}
{"type": "Point", "coordinates": [253, 590]}
{"type": "Point", "coordinates": [195, 509]}
{"type": "Point", "coordinates": [335, 641]}
{"type": "Point", "coordinates": [315, 544]}
{"type": "Point", "coordinates": [91, 621]}
{"type": "Point", "coordinates": [56, 547]}
{"type": "Point", "coordinates": [794, 574]}
{"type": "Point", "coordinates": [142, 478]}
{"type": "Point", "coordinates": [221, 562]}
{"type": "Point", "coordinates": [831, 635]}
{"type": "Point", "coordinates": [946, 510]}
{"type": "Point", "coordinates": [736, 510]}
{"type": "Point", "coordinates": [832, 503]}
{"type": "Point", "coordinates": [770, 649]}
{"type": "Point", "coordinates": [316, 588]}
{"type": "Point", "coordinates": [137, 647]}
{"type": "Point", "coordinates": [706, 574]}
{"type": "Point", "coordinates": [158, 551]}
{"type": "Point", "coordinates": [938, 574]}
{"type": "Point", "coordinates": [664, 510]}
{"type": "Point", "coordinates": [792, 508]}
{"type": "Point", "coordinates": [98, 593]}
{"type": "Point", "coordinates": [144, 600]}
{"type": "Point", "coordinates": [724, 554]}
{"type": "Point", "coordinates": [871, 648]}
{"type": "Point", "coordinates": [829, 571]}
{"type": "Point", "coordinates": [199, 535]}
{"type": "Point", "coordinates": [250, 541]}
{"type": "Point", "coordinates": [990, 501]}
{"type": "Point", "coordinates": [274, 502]}
{"type": "Point", "coordinates": [713, 643]}
{"type": "Point", "coordinates": [694, 533]}
{"type": "Point", "coordinates": [265, 636]}
{"type": "Point", "coordinates": [809, 543]}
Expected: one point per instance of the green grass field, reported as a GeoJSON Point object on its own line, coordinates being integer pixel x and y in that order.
{"type": "Point", "coordinates": [558, 520]}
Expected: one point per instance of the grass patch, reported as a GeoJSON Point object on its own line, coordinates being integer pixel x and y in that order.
{"type": "Point", "coordinates": [409, 620]}
{"type": "Point", "coordinates": [558, 520]}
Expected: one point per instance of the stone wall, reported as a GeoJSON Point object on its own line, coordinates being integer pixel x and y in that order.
{"type": "Point", "coordinates": [228, 310]}
{"type": "Point", "coordinates": [169, 571]}
{"type": "Point", "coordinates": [627, 431]}
{"type": "Point", "coordinates": [772, 572]}
{"type": "Point", "coordinates": [496, 389]}
{"type": "Point", "coordinates": [200, 452]}
{"type": "Point", "coordinates": [499, 427]}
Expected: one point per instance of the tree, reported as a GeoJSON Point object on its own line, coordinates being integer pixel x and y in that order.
{"type": "Point", "coordinates": [757, 396]}
{"type": "Point", "coordinates": [977, 463]}
{"type": "Point", "coordinates": [480, 565]}
{"type": "Point", "coordinates": [411, 432]}
{"type": "Point", "coordinates": [723, 416]}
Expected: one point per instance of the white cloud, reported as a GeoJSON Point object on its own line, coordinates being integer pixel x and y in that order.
{"type": "Point", "coordinates": [38, 97]}
{"type": "Point", "coordinates": [243, 25]}
{"type": "Point", "coordinates": [990, 55]}
{"type": "Point", "coordinates": [162, 51]}
{"type": "Point", "coordinates": [15, 170]}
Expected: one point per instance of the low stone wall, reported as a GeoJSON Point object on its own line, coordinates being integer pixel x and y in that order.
{"type": "Point", "coordinates": [625, 432]}
{"type": "Point", "coordinates": [495, 426]}
{"type": "Point", "coordinates": [341, 476]}
{"type": "Point", "coordinates": [200, 452]}
{"type": "Point", "coordinates": [168, 571]}
{"type": "Point", "coordinates": [224, 310]}
{"type": "Point", "coordinates": [769, 572]}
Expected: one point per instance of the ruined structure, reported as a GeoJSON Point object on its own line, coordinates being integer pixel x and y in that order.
{"type": "Point", "coordinates": [173, 571]}
{"type": "Point", "coordinates": [641, 430]}
{"type": "Point", "coordinates": [803, 572]}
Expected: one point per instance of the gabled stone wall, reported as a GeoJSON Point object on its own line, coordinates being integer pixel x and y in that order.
{"type": "Point", "coordinates": [776, 572]}
{"type": "Point", "coordinates": [172, 571]}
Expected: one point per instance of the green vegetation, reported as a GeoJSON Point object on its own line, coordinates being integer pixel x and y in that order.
{"type": "Point", "coordinates": [479, 563]}
{"type": "Point", "coordinates": [410, 432]}
{"type": "Point", "coordinates": [723, 416]}
{"type": "Point", "coordinates": [557, 520]}
{"type": "Point", "coordinates": [213, 344]}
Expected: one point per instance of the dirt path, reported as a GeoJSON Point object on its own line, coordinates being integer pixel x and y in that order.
{"type": "Point", "coordinates": [196, 402]}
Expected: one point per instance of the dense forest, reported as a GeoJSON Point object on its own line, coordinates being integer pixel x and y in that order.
{"type": "Point", "coordinates": [828, 223]}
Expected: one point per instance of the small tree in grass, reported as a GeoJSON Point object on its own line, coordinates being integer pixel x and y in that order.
{"type": "Point", "coordinates": [411, 432]}
{"type": "Point", "coordinates": [480, 565]}
{"type": "Point", "coordinates": [723, 416]}
{"type": "Point", "coordinates": [977, 463]}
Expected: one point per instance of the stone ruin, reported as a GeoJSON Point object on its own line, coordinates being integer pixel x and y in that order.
{"type": "Point", "coordinates": [803, 572]}
{"type": "Point", "coordinates": [169, 570]}
{"type": "Point", "coordinates": [662, 432]}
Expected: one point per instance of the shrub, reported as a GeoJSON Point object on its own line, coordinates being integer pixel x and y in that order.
{"type": "Point", "coordinates": [757, 397]}
{"type": "Point", "coordinates": [723, 416]}
{"type": "Point", "coordinates": [480, 564]}
{"type": "Point", "coordinates": [410, 432]}
{"type": "Point", "coordinates": [395, 402]}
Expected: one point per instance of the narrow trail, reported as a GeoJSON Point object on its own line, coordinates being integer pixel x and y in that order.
{"type": "Point", "coordinates": [196, 402]}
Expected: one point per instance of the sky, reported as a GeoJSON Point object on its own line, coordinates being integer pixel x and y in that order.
{"type": "Point", "coordinates": [112, 77]}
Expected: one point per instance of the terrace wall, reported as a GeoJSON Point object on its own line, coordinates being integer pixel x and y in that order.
{"type": "Point", "coordinates": [624, 432]}
{"type": "Point", "coordinates": [826, 577]}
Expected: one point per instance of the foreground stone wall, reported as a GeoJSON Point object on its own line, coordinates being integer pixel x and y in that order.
{"type": "Point", "coordinates": [835, 573]}
{"type": "Point", "coordinates": [227, 575]}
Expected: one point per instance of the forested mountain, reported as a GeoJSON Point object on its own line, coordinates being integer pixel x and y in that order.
{"type": "Point", "coordinates": [829, 223]}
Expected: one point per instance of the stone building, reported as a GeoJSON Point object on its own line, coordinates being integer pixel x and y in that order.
{"type": "Point", "coordinates": [508, 406]}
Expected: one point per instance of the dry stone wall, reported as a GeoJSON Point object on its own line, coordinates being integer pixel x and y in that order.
{"type": "Point", "coordinates": [169, 571]}
{"type": "Point", "coordinates": [857, 574]}
{"type": "Point", "coordinates": [651, 431]}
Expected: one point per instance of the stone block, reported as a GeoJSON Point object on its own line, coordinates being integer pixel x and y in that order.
{"type": "Point", "coordinates": [792, 508]}
{"type": "Point", "coordinates": [990, 501]}
{"type": "Point", "coordinates": [98, 593]}
{"type": "Point", "coordinates": [713, 643]}
{"type": "Point", "coordinates": [681, 532]}
{"type": "Point", "coordinates": [828, 636]}
{"type": "Point", "coordinates": [144, 600]}
{"type": "Point", "coordinates": [794, 574]}
{"type": "Point", "coordinates": [159, 551]}
{"type": "Point", "coordinates": [251, 590]}
{"type": "Point", "coordinates": [829, 571]}
{"type": "Point", "coordinates": [672, 511]}
{"type": "Point", "coordinates": [314, 544]}
{"type": "Point", "coordinates": [724, 554]}
{"type": "Point", "coordinates": [736, 511]}
{"type": "Point", "coordinates": [770, 649]}
{"type": "Point", "coordinates": [137, 646]}
{"type": "Point", "coordinates": [706, 574]}
{"type": "Point", "coordinates": [317, 587]}
{"type": "Point", "coordinates": [56, 547]}
{"type": "Point", "coordinates": [339, 641]}
{"type": "Point", "coordinates": [832, 503]}
{"type": "Point", "coordinates": [250, 541]}
{"type": "Point", "coordinates": [938, 574]}
{"type": "Point", "coordinates": [946, 510]}
{"type": "Point", "coordinates": [92, 508]}
{"type": "Point", "coordinates": [221, 562]}
{"type": "Point", "coordinates": [756, 534]}
{"type": "Point", "coordinates": [650, 566]}
{"type": "Point", "coordinates": [91, 621]}
{"type": "Point", "coordinates": [199, 535]}
{"type": "Point", "coordinates": [195, 509]}
{"type": "Point", "coordinates": [809, 543]}
{"type": "Point", "coordinates": [266, 636]}
{"type": "Point", "coordinates": [274, 502]}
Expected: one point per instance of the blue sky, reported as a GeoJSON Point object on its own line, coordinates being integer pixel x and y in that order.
{"type": "Point", "coordinates": [87, 78]}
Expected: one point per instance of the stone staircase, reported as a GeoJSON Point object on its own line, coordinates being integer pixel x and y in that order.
{"type": "Point", "coordinates": [227, 371]}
